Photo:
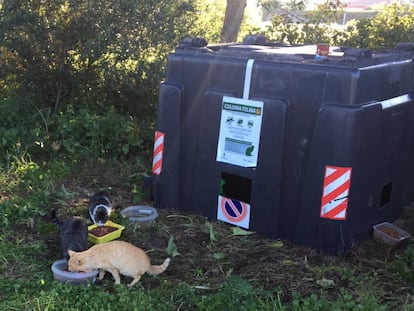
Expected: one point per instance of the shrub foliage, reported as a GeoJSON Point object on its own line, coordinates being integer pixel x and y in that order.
{"type": "Point", "coordinates": [89, 52]}
{"type": "Point", "coordinates": [392, 24]}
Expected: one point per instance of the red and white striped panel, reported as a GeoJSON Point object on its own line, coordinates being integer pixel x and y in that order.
{"type": "Point", "coordinates": [158, 152]}
{"type": "Point", "coordinates": [335, 194]}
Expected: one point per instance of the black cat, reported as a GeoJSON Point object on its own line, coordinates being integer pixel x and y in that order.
{"type": "Point", "coordinates": [73, 232]}
{"type": "Point", "coordinates": [100, 207]}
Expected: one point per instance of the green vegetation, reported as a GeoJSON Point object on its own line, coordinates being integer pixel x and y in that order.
{"type": "Point", "coordinates": [78, 92]}
{"type": "Point", "coordinates": [404, 264]}
{"type": "Point", "coordinates": [393, 24]}
{"type": "Point", "coordinates": [29, 189]}
{"type": "Point", "coordinates": [37, 176]}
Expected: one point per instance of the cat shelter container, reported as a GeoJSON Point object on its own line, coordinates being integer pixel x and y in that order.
{"type": "Point", "coordinates": [279, 141]}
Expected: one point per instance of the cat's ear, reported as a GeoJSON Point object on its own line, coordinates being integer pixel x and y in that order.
{"type": "Point", "coordinates": [71, 252]}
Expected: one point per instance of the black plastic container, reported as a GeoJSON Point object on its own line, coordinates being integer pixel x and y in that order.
{"type": "Point", "coordinates": [336, 148]}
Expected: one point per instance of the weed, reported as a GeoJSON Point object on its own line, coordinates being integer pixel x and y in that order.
{"type": "Point", "coordinates": [172, 248]}
{"type": "Point", "coordinates": [403, 265]}
{"type": "Point", "coordinates": [84, 133]}
{"type": "Point", "coordinates": [210, 227]}
{"type": "Point", "coordinates": [366, 301]}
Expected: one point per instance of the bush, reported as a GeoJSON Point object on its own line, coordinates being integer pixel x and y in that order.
{"type": "Point", "coordinates": [393, 24]}
{"type": "Point", "coordinates": [74, 134]}
{"type": "Point", "coordinates": [90, 53]}
{"type": "Point", "coordinates": [83, 133]}
{"type": "Point", "coordinates": [403, 265]}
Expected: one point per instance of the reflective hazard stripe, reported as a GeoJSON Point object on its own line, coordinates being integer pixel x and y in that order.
{"type": "Point", "coordinates": [336, 184]}
{"type": "Point", "coordinates": [158, 152]}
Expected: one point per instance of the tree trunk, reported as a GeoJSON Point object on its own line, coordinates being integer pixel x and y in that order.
{"type": "Point", "coordinates": [232, 20]}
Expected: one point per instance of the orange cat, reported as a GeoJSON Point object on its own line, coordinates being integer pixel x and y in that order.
{"type": "Point", "coordinates": [116, 257]}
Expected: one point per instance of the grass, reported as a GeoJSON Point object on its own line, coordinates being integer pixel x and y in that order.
{"type": "Point", "coordinates": [44, 296]}
{"type": "Point", "coordinates": [27, 284]}
{"type": "Point", "coordinates": [207, 277]}
{"type": "Point", "coordinates": [30, 287]}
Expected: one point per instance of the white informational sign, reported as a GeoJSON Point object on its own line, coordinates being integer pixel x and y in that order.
{"type": "Point", "coordinates": [239, 137]}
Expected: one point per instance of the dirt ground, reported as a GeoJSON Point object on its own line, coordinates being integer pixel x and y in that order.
{"type": "Point", "coordinates": [209, 251]}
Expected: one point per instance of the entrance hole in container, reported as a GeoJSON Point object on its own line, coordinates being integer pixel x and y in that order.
{"type": "Point", "coordinates": [235, 187]}
{"type": "Point", "coordinates": [386, 194]}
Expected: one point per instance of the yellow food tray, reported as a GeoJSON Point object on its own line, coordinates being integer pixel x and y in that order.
{"type": "Point", "coordinates": [107, 237]}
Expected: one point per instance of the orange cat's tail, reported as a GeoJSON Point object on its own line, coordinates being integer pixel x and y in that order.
{"type": "Point", "coordinates": [159, 269]}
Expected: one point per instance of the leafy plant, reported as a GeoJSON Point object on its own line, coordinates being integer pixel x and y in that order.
{"type": "Point", "coordinates": [242, 232]}
{"type": "Point", "coordinates": [85, 133]}
{"type": "Point", "coordinates": [393, 24]}
{"type": "Point", "coordinates": [74, 52]}
{"type": "Point", "coordinates": [171, 247]}
{"type": "Point", "coordinates": [212, 234]}
{"type": "Point", "coordinates": [404, 264]}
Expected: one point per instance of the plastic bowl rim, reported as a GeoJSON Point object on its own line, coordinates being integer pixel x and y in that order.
{"type": "Point", "coordinates": [71, 275]}
{"type": "Point", "coordinates": [137, 209]}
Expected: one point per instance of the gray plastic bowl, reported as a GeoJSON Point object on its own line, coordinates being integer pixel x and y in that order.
{"type": "Point", "coordinates": [144, 215]}
{"type": "Point", "coordinates": [60, 273]}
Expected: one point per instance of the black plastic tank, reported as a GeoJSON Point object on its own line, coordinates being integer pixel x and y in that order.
{"type": "Point", "coordinates": [275, 139]}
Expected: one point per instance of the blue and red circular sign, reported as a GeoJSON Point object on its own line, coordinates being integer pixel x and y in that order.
{"type": "Point", "coordinates": [233, 210]}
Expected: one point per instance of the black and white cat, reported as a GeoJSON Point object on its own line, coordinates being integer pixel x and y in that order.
{"type": "Point", "coordinates": [100, 207]}
{"type": "Point", "coordinates": [73, 232]}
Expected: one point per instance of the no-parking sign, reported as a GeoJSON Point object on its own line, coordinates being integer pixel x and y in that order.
{"type": "Point", "coordinates": [233, 211]}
